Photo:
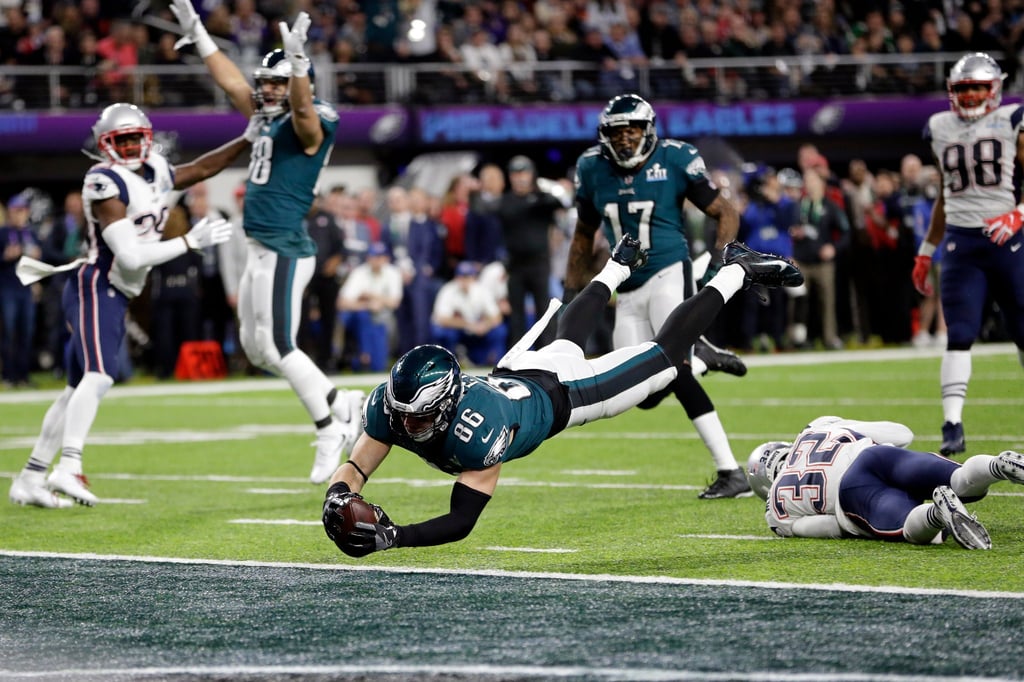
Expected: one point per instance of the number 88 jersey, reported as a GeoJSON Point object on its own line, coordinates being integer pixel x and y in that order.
{"type": "Point", "coordinates": [977, 159]}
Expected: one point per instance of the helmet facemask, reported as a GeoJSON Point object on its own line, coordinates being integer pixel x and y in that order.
{"type": "Point", "coordinates": [627, 111]}
{"type": "Point", "coordinates": [422, 393]}
{"type": "Point", "coordinates": [969, 101]}
{"type": "Point", "coordinates": [275, 68]}
{"type": "Point", "coordinates": [124, 135]}
{"type": "Point", "coordinates": [764, 464]}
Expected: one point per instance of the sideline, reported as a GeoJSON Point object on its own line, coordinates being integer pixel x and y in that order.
{"type": "Point", "coordinates": [371, 380]}
{"type": "Point", "coordinates": [523, 575]}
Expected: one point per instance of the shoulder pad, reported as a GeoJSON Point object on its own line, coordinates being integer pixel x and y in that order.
{"type": "Point", "coordinates": [325, 111]}
{"type": "Point", "coordinates": [103, 183]}
{"type": "Point", "coordinates": [591, 151]}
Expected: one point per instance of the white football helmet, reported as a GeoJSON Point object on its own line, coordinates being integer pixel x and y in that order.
{"type": "Point", "coordinates": [764, 464]}
{"type": "Point", "coordinates": [974, 69]}
{"type": "Point", "coordinates": [124, 135]}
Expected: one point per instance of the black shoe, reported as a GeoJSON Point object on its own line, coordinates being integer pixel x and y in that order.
{"type": "Point", "coordinates": [718, 359]}
{"type": "Point", "coordinates": [762, 268]}
{"type": "Point", "coordinates": [728, 484]}
{"type": "Point", "coordinates": [628, 252]}
{"type": "Point", "coordinates": [953, 441]}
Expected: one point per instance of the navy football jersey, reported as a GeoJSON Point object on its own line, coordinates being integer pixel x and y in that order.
{"type": "Point", "coordinates": [497, 419]}
{"type": "Point", "coordinates": [646, 203]}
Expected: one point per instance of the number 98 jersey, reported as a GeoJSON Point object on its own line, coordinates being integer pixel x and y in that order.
{"type": "Point", "coordinates": [498, 418]}
{"type": "Point", "coordinates": [977, 160]}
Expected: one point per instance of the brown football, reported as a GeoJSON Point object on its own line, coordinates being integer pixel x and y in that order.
{"type": "Point", "coordinates": [354, 511]}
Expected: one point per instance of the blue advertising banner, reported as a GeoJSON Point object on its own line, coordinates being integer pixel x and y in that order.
{"type": "Point", "coordinates": [40, 132]}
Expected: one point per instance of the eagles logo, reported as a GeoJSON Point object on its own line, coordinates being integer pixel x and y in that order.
{"type": "Point", "coordinates": [501, 443]}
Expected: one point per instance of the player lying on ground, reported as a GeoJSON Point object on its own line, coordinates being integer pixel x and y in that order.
{"type": "Point", "coordinates": [470, 425]}
{"type": "Point", "coordinates": [843, 478]}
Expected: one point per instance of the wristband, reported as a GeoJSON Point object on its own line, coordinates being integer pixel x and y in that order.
{"type": "Point", "coordinates": [926, 249]}
{"type": "Point", "coordinates": [360, 471]}
{"type": "Point", "coordinates": [204, 44]}
{"type": "Point", "coordinates": [339, 488]}
{"type": "Point", "coordinates": [300, 65]}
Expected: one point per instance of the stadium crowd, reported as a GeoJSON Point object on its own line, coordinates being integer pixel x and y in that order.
{"type": "Point", "coordinates": [497, 51]}
{"type": "Point", "coordinates": [853, 231]}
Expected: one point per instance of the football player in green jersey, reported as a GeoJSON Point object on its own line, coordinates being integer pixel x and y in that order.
{"type": "Point", "coordinates": [633, 183]}
{"type": "Point", "coordinates": [294, 144]}
{"type": "Point", "coordinates": [468, 426]}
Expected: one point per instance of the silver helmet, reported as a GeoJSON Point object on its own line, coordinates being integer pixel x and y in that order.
{"type": "Point", "coordinates": [970, 70]}
{"type": "Point", "coordinates": [124, 135]}
{"type": "Point", "coordinates": [764, 464]}
{"type": "Point", "coordinates": [622, 111]}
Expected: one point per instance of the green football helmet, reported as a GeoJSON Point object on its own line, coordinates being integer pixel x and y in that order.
{"type": "Point", "coordinates": [628, 110]}
{"type": "Point", "coordinates": [423, 392]}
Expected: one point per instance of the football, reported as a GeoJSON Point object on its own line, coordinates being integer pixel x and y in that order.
{"type": "Point", "coordinates": [353, 512]}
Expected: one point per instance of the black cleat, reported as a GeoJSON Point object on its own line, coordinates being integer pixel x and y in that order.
{"type": "Point", "coordinates": [762, 269]}
{"type": "Point", "coordinates": [718, 359]}
{"type": "Point", "coordinates": [953, 441]}
{"type": "Point", "coordinates": [630, 253]}
{"type": "Point", "coordinates": [730, 483]}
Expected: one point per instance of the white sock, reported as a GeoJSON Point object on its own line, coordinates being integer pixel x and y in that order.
{"type": "Point", "coordinates": [974, 477]}
{"type": "Point", "coordinates": [697, 366]}
{"type": "Point", "coordinates": [954, 375]}
{"type": "Point", "coordinates": [728, 281]}
{"type": "Point", "coordinates": [50, 435]}
{"type": "Point", "coordinates": [711, 431]}
{"type": "Point", "coordinates": [612, 275]}
{"type": "Point", "coordinates": [922, 525]}
{"type": "Point", "coordinates": [309, 383]}
{"type": "Point", "coordinates": [79, 416]}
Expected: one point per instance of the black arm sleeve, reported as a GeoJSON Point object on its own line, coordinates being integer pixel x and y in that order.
{"type": "Point", "coordinates": [466, 507]}
{"type": "Point", "coordinates": [701, 194]}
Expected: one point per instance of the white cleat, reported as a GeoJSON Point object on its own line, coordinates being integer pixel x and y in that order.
{"type": "Point", "coordinates": [330, 442]}
{"type": "Point", "coordinates": [1011, 465]}
{"type": "Point", "coordinates": [348, 407]}
{"type": "Point", "coordinates": [25, 490]}
{"type": "Point", "coordinates": [75, 486]}
{"type": "Point", "coordinates": [963, 526]}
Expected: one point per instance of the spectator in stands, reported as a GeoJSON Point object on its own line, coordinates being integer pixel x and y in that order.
{"type": "Point", "coordinates": [819, 226]}
{"type": "Point", "coordinates": [249, 31]}
{"type": "Point", "coordinates": [527, 218]}
{"type": "Point", "coordinates": [485, 241]}
{"type": "Point", "coordinates": [17, 308]}
{"type": "Point", "coordinates": [519, 57]}
{"type": "Point", "coordinates": [487, 65]}
{"type": "Point", "coordinates": [175, 298]}
{"type": "Point", "coordinates": [355, 233]}
{"type": "Point", "coordinates": [368, 208]}
{"type": "Point", "coordinates": [54, 51]}
{"type": "Point", "coordinates": [454, 207]}
{"type": "Point", "coordinates": [596, 82]}
{"type": "Point", "coordinates": [467, 320]}
{"type": "Point", "coordinates": [320, 301]}
{"type": "Point", "coordinates": [930, 319]}
{"type": "Point", "coordinates": [120, 55]}
{"type": "Point", "coordinates": [426, 255]}
{"type": "Point", "coordinates": [367, 304]}
{"type": "Point", "coordinates": [62, 245]}
{"type": "Point", "coordinates": [764, 226]}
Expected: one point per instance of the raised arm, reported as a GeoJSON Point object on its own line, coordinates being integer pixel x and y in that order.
{"type": "Point", "coordinates": [305, 119]}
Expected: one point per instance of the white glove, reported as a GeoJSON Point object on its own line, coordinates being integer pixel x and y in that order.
{"type": "Point", "coordinates": [294, 40]}
{"type": "Point", "coordinates": [252, 131]}
{"type": "Point", "coordinates": [193, 29]}
{"type": "Point", "coordinates": [208, 233]}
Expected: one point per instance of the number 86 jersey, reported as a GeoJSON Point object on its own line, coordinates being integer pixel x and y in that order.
{"type": "Point", "coordinates": [977, 163]}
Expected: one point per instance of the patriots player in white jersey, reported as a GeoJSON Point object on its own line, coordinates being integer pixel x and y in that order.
{"type": "Point", "coordinates": [843, 478]}
{"type": "Point", "coordinates": [292, 147]}
{"type": "Point", "coordinates": [976, 220]}
{"type": "Point", "coordinates": [469, 426]}
{"type": "Point", "coordinates": [126, 205]}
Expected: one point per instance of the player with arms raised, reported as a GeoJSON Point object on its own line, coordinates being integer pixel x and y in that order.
{"type": "Point", "coordinates": [126, 205]}
{"type": "Point", "coordinates": [978, 146]}
{"type": "Point", "coordinates": [632, 183]}
{"type": "Point", "coordinates": [293, 146]}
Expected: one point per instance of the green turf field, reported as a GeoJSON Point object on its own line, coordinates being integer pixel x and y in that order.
{"type": "Point", "coordinates": [594, 540]}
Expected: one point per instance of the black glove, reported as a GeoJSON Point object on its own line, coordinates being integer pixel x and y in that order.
{"type": "Point", "coordinates": [371, 537]}
{"type": "Point", "coordinates": [714, 265]}
{"type": "Point", "coordinates": [338, 495]}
